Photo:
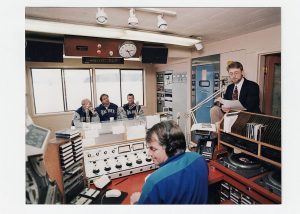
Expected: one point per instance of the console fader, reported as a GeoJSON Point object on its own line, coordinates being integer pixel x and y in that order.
{"type": "Point", "coordinates": [117, 160]}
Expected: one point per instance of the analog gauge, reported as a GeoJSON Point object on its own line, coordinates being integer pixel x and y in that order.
{"type": "Point", "coordinates": [127, 49]}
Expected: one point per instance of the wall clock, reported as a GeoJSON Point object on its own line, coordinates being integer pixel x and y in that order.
{"type": "Point", "coordinates": [127, 49]}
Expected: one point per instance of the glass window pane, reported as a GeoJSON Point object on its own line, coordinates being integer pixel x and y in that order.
{"type": "Point", "coordinates": [78, 87]}
{"type": "Point", "coordinates": [47, 90]}
{"type": "Point", "coordinates": [132, 82]}
{"type": "Point", "coordinates": [108, 82]}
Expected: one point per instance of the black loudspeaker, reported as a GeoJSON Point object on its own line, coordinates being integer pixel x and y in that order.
{"type": "Point", "coordinates": [154, 54]}
{"type": "Point", "coordinates": [43, 51]}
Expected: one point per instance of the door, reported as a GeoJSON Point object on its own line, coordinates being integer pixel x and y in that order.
{"type": "Point", "coordinates": [272, 85]}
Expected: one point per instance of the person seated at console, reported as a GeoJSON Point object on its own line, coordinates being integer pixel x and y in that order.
{"type": "Point", "coordinates": [132, 109]}
{"type": "Point", "coordinates": [86, 113]}
{"type": "Point", "coordinates": [182, 177]}
{"type": "Point", "coordinates": [106, 109]}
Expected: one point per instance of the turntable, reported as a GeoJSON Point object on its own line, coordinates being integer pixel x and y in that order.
{"type": "Point", "coordinates": [243, 164]}
{"type": "Point", "coordinates": [271, 182]}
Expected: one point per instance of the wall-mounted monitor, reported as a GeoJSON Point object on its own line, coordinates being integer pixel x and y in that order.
{"type": "Point", "coordinates": [36, 139]}
{"type": "Point", "coordinates": [154, 54]}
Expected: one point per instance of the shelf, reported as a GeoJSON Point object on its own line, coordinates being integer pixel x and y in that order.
{"type": "Point", "coordinates": [254, 141]}
{"type": "Point", "coordinates": [253, 155]}
{"type": "Point", "coordinates": [227, 201]}
{"type": "Point", "coordinates": [247, 122]}
{"type": "Point", "coordinates": [247, 185]}
{"type": "Point", "coordinates": [268, 149]}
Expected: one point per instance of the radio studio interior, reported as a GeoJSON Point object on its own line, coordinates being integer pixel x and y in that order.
{"type": "Point", "coordinates": [153, 105]}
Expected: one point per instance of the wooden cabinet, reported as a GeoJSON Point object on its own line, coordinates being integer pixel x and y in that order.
{"type": "Point", "coordinates": [256, 135]}
{"type": "Point", "coordinates": [64, 163]}
{"type": "Point", "coordinates": [264, 145]}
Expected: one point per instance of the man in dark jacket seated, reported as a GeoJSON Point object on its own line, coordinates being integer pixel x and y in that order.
{"type": "Point", "coordinates": [131, 108]}
{"type": "Point", "coordinates": [106, 109]}
{"type": "Point", "coordinates": [86, 113]}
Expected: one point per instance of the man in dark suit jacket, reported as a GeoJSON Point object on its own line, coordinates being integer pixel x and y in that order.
{"type": "Point", "coordinates": [246, 91]}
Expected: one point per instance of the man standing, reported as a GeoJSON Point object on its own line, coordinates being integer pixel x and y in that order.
{"type": "Point", "coordinates": [246, 91]}
{"type": "Point", "coordinates": [85, 113]}
{"type": "Point", "coordinates": [132, 109]}
{"type": "Point", "coordinates": [182, 177]}
{"type": "Point", "coordinates": [106, 109]}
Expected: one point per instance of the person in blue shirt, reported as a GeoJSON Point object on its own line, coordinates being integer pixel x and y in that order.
{"type": "Point", "coordinates": [182, 177]}
{"type": "Point", "coordinates": [106, 109]}
{"type": "Point", "coordinates": [132, 109]}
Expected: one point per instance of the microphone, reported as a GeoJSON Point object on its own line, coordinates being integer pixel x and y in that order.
{"type": "Point", "coordinates": [223, 81]}
{"type": "Point", "coordinates": [91, 109]}
{"type": "Point", "coordinates": [178, 117]}
{"type": "Point", "coordinates": [137, 107]}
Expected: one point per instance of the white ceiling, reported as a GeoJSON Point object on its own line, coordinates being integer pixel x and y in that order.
{"type": "Point", "coordinates": [212, 24]}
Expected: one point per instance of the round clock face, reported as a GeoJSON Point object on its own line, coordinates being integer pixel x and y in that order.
{"type": "Point", "coordinates": [127, 49]}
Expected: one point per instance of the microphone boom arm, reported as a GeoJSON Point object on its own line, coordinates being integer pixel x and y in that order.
{"type": "Point", "coordinates": [207, 99]}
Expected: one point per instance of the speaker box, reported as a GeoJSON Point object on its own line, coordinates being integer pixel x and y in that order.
{"type": "Point", "coordinates": [154, 54]}
{"type": "Point", "coordinates": [43, 51]}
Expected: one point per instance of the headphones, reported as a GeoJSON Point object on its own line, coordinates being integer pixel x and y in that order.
{"type": "Point", "coordinates": [171, 146]}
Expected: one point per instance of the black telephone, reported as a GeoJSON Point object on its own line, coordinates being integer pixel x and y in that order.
{"type": "Point", "coordinates": [206, 147]}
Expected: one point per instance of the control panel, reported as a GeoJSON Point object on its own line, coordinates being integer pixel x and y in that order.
{"type": "Point", "coordinates": [117, 160]}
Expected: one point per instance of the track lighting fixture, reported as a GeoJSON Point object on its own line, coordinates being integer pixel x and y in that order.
{"type": "Point", "coordinates": [61, 28]}
{"type": "Point", "coordinates": [132, 20]}
{"type": "Point", "coordinates": [199, 46]}
{"type": "Point", "coordinates": [101, 16]}
{"type": "Point", "coordinates": [161, 23]}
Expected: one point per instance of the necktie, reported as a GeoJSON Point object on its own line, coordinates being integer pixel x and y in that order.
{"type": "Point", "coordinates": [235, 94]}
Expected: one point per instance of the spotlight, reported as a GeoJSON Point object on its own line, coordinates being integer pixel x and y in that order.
{"type": "Point", "coordinates": [161, 23]}
{"type": "Point", "coordinates": [101, 16]}
{"type": "Point", "coordinates": [199, 46]}
{"type": "Point", "coordinates": [132, 20]}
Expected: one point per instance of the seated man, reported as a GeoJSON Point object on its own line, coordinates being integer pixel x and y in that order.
{"type": "Point", "coordinates": [182, 177]}
{"type": "Point", "coordinates": [86, 113]}
{"type": "Point", "coordinates": [246, 91]}
{"type": "Point", "coordinates": [106, 109]}
{"type": "Point", "coordinates": [132, 109]}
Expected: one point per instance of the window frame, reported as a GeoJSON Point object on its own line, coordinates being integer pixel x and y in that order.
{"type": "Point", "coordinates": [65, 89]}
{"type": "Point", "coordinates": [33, 95]}
{"type": "Point", "coordinates": [93, 87]}
{"type": "Point", "coordinates": [143, 83]}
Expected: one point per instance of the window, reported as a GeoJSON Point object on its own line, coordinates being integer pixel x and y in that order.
{"type": "Point", "coordinates": [61, 90]}
{"type": "Point", "coordinates": [78, 87]}
{"type": "Point", "coordinates": [47, 90]}
{"type": "Point", "coordinates": [132, 82]}
{"type": "Point", "coordinates": [108, 82]}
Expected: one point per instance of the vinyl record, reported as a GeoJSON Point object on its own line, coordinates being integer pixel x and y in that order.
{"type": "Point", "coordinates": [244, 161]}
{"type": "Point", "coordinates": [275, 178]}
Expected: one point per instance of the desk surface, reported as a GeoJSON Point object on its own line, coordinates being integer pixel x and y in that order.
{"type": "Point", "coordinates": [134, 183]}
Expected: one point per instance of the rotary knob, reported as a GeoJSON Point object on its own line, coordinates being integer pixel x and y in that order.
{"type": "Point", "coordinates": [96, 171]}
{"type": "Point", "coordinates": [139, 161]}
{"type": "Point", "coordinates": [118, 166]}
{"type": "Point", "coordinates": [129, 164]}
{"type": "Point", "coordinates": [107, 168]}
{"type": "Point", "coordinates": [148, 159]}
